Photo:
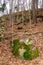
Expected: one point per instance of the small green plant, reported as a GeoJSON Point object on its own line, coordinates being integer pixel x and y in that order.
{"type": "Point", "coordinates": [35, 53]}
{"type": "Point", "coordinates": [23, 49]}
{"type": "Point", "coordinates": [15, 46]}
{"type": "Point", "coordinates": [27, 56]}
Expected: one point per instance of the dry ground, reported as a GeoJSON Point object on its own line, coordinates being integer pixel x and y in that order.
{"type": "Point", "coordinates": [36, 32]}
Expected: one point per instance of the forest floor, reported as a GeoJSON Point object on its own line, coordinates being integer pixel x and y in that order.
{"type": "Point", "coordinates": [36, 32]}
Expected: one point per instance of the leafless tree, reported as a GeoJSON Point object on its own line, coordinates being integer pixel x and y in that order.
{"type": "Point", "coordinates": [36, 6]}
{"type": "Point", "coordinates": [34, 11]}
{"type": "Point", "coordinates": [11, 5]}
{"type": "Point", "coordinates": [42, 3]}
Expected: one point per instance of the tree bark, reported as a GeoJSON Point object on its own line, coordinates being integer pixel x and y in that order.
{"type": "Point", "coordinates": [42, 3]}
{"type": "Point", "coordinates": [34, 12]}
{"type": "Point", "coordinates": [36, 6]}
{"type": "Point", "coordinates": [11, 6]}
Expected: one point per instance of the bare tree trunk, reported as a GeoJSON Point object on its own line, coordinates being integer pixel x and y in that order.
{"type": "Point", "coordinates": [42, 3]}
{"type": "Point", "coordinates": [17, 11]}
{"type": "Point", "coordinates": [11, 17]}
{"type": "Point", "coordinates": [36, 6]}
{"type": "Point", "coordinates": [34, 12]}
{"type": "Point", "coordinates": [11, 6]}
{"type": "Point", "coordinates": [23, 9]}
